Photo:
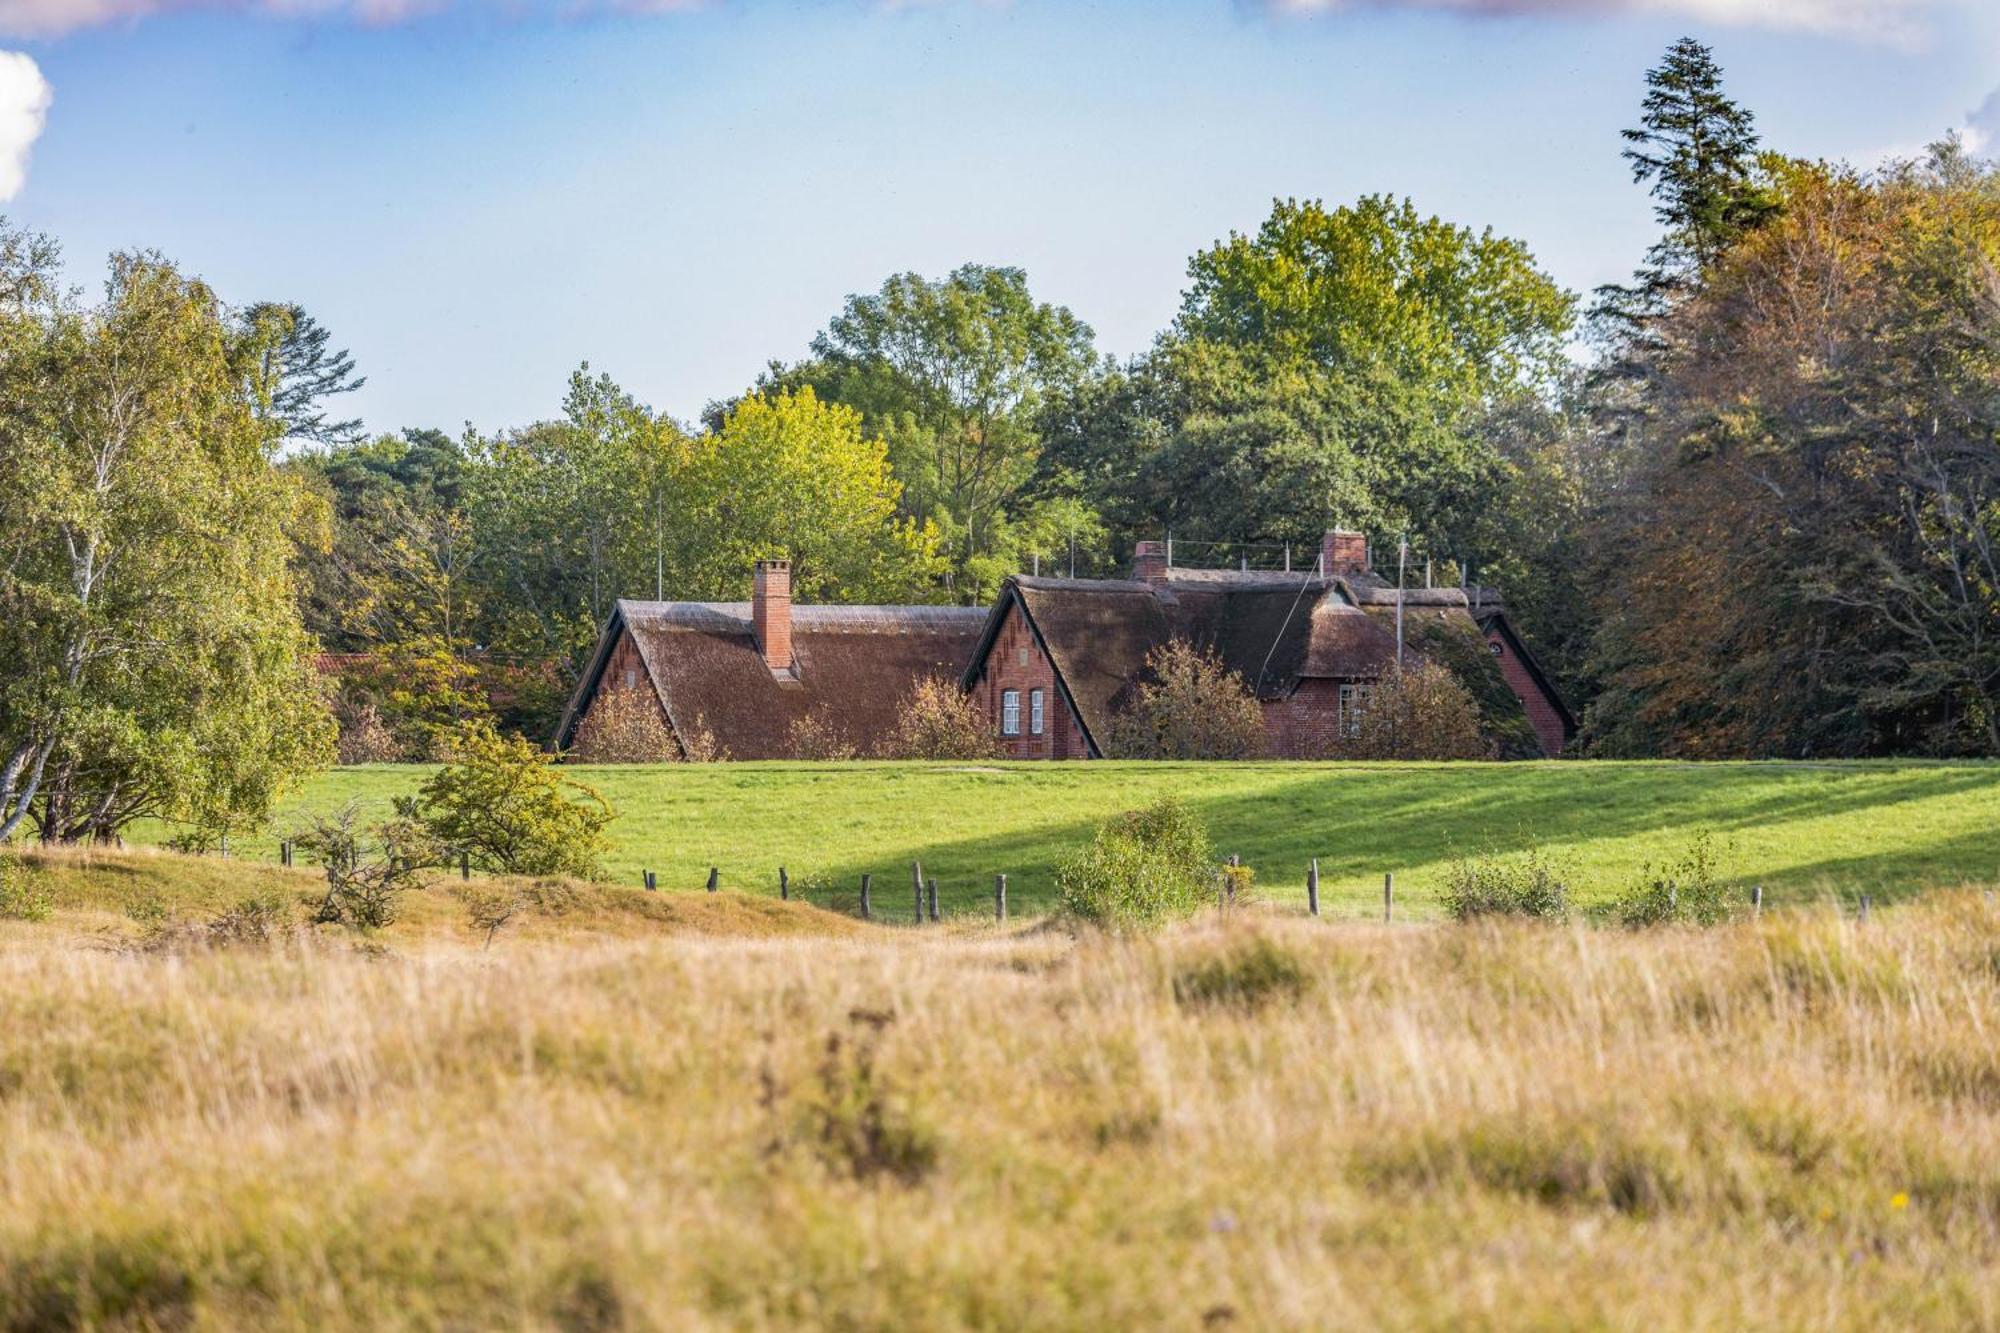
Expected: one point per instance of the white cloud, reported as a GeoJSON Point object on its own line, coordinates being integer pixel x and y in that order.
{"type": "Point", "coordinates": [1982, 127]}
{"type": "Point", "coordinates": [1899, 21]}
{"type": "Point", "coordinates": [24, 107]}
{"type": "Point", "coordinates": [55, 18]}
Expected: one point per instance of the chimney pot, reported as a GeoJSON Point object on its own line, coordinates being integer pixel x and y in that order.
{"type": "Point", "coordinates": [1149, 562]}
{"type": "Point", "coordinates": [771, 614]}
{"type": "Point", "coordinates": [1344, 552]}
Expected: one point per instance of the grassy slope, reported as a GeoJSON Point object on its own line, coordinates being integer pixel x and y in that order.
{"type": "Point", "coordinates": [1790, 1123]}
{"type": "Point", "coordinates": [1802, 830]}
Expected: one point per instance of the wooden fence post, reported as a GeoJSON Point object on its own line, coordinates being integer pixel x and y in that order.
{"type": "Point", "coordinates": [285, 853]}
{"type": "Point", "coordinates": [465, 865]}
{"type": "Point", "coordinates": [934, 911]}
{"type": "Point", "coordinates": [999, 897]}
{"type": "Point", "coordinates": [1389, 896]}
{"type": "Point", "coordinates": [865, 880]}
{"type": "Point", "coordinates": [1312, 887]}
{"type": "Point", "coordinates": [714, 878]}
{"type": "Point", "coordinates": [917, 885]}
{"type": "Point", "coordinates": [1864, 907]}
{"type": "Point", "coordinates": [651, 882]}
{"type": "Point", "coordinates": [784, 886]}
{"type": "Point", "coordinates": [1757, 901]}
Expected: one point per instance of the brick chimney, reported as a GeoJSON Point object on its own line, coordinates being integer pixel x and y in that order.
{"type": "Point", "coordinates": [1343, 552]}
{"type": "Point", "coordinates": [1149, 562]}
{"type": "Point", "coordinates": [771, 614]}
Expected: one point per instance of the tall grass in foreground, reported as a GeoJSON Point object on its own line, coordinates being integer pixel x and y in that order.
{"type": "Point", "coordinates": [1270, 1124]}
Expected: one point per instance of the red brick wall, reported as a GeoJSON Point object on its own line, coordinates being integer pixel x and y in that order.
{"type": "Point", "coordinates": [1306, 724]}
{"type": "Point", "coordinates": [1017, 662]}
{"type": "Point", "coordinates": [1542, 715]}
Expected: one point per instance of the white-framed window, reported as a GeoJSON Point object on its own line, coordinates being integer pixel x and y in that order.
{"type": "Point", "coordinates": [631, 678]}
{"type": "Point", "coordinates": [1034, 712]}
{"type": "Point", "coordinates": [1010, 712]}
{"type": "Point", "coordinates": [1353, 703]}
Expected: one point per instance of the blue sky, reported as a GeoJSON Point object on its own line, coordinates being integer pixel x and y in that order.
{"type": "Point", "coordinates": [477, 196]}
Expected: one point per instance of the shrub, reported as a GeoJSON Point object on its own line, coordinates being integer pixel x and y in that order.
{"type": "Point", "coordinates": [624, 727]}
{"type": "Point", "coordinates": [488, 907]}
{"type": "Point", "coordinates": [854, 1122]}
{"type": "Point", "coordinates": [1188, 705]}
{"type": "Point", "coordinates": [505, 805]}
{"type": "Point", "coordinates": [1689, 890]}
{"type": "Point", "coordinates": [1142, 868]}
{"type": "Point", "coordinates": [1421, 712]}
{"type": "Point", "coordinates": [1532, 885]}
{"type": "Point", "coordinates": [254, 920]}
{"type": "Point", "coordinates": [364, 737]}
{"type": "Point", "coordinates": [940, 721]}
{"type": "Point", "coordinates": [22, 896]}
{"type": "Point", "coordinates": [818, 736]}
{"type": "Point", "coordinates": [367, 872]}
{"type": "Point", "coordinates": [1248, 976]}
{"type": "Point", "coordinates": [699, 745]}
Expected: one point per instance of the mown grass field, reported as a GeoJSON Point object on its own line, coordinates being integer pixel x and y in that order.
{"type": "Point", "coordinates": [1804, 831]}
{"type": "Point", "coordinates": [684, 1112]}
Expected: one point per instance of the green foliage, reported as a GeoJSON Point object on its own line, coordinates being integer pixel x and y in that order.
{"type": "Point", "coordinates": [1696, 150]}
{"type": "Point", "coordinates": [1142, 869]}
{"type": "Point", "coordinates": [789, 474]}
{"type": "Point", "coordinates": [504, 803]}
{"type": "Point", "coordinates": [295, 371]}
{"type": "Point", "coordinates": [152, 659]}
{"type": "Point", "coordinates": [1247, 975]}
{"type": "Point", "coordinates": [1187, 706]}
{"type": "Point", "coordinates": [1377, 283]}
{"type": "Point", "coordinates": [1690, 890]}
{"type": "Point", "coordinates": [952, 375]}
{"type": "Point", "coordinates": [1333, 369]}
{"type": "Point", "coordinates": [1533, 884]}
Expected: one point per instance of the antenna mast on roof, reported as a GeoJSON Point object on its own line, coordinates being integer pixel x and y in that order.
{"type": "Point", "coordinates": [1402, 563]}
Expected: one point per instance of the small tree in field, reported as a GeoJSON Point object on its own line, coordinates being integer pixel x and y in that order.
{"type": "Point", "coordinates": [1421, 712]}
{"type": "Point", "coordinates": [1188, 706]}
{"type": "Point", "coordinates": [940, 721]}
{"type": "Point", "coordinates": [1144, 868]}
{"type": "Point", "coordinates": [624, 727]}
{"type": "Point", "coordinates": [506, 806]}
{"type": "Point", "coordinates": [368, 870]}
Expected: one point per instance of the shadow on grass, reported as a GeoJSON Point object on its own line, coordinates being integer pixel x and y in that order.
{"type": "Point", "coordinates": [1415, 821]}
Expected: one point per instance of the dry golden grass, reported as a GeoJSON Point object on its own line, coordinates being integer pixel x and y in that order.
{"type": "Point", "coordinates": [1267, 1123]}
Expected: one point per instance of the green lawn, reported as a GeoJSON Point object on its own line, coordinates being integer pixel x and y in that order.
{"type": "Point", "coordinates": [1801, 830]}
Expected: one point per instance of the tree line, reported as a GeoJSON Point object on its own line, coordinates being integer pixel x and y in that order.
{"type": "Point", "coordinates": [1744, 504]}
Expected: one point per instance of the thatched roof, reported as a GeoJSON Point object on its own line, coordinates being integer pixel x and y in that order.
{"type": "Point", "coordinates": [1271, 629]}
{"type": "Point", "coordinates": [855, 666]}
